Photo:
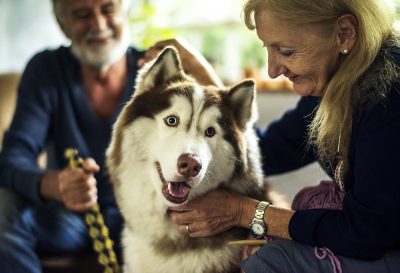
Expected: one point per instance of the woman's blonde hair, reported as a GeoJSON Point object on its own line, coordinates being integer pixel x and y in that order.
{"type": "Point", "coordinates": [330, 130]}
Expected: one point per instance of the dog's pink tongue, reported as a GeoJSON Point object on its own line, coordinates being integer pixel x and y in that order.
{"type": "Point", "coordinates": [178, 189]}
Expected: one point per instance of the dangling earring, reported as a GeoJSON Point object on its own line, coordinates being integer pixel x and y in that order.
{"type": "Point", "coordinates": [345, 52]}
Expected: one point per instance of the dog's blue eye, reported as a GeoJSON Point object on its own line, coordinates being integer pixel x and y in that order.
{"type": "Point", "coordinates": [171, 121]}
{"type": "Point", "coordinates": [210, 132]}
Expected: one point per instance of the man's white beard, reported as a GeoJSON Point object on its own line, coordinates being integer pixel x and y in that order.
{"type": "Point", "coordinates": [104, 55]}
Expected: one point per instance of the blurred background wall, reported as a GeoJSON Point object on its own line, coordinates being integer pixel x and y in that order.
{"type": "Point", "coordinates": [26, 26]}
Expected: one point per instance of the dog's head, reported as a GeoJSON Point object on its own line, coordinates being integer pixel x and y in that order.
{"type": "Point", "coordinates": [188, 137]}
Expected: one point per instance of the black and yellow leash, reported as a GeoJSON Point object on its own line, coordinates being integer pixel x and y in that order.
{"type": "Point", "coordinates": [98, 231]}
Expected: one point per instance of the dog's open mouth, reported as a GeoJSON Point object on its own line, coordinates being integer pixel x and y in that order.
{"type": "Point", "coordinates": [176, 192]}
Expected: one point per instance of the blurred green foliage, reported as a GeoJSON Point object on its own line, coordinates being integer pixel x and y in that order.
{"type": "Point", "coordinates": [145, 24]}
{"type": "Point", "coordinates": [144, 30]}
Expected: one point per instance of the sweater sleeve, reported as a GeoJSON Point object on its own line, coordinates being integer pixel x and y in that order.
{"type": "Point", "coordinates": [25, 139]}
{"type": "Point", "coordinates": [284, 144]}
{"type": "Point", "coordinates": [368, 225]}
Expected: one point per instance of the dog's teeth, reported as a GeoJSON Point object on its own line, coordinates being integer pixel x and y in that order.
{"type": "Point", "coordinates": [178, 189]}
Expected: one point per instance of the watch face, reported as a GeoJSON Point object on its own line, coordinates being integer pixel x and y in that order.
{"type": "Point", "coordinates": [258, 229]}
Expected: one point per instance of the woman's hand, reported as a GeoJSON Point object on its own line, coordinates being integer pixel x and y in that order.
{"type": "Point", "coordinates": [74, 187]}
{"type": "Point", "coordinates": [213, 213]}
{"type": "Point", "coordinates": [193, 62]}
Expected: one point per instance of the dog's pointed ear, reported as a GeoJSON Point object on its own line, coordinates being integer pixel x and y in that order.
{"type": "Point", "coordinates": [165, 67]}
{"type": "Point", "coordinates": [243, 103]}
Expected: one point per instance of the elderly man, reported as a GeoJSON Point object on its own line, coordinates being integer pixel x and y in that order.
{"type": "Point", "coordinates": [68, 97]}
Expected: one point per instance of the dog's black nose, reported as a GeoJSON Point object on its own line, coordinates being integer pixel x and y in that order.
{"type": "Point", "coordinates": [189, 165]}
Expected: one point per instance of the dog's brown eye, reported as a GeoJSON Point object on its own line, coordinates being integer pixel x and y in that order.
{"type": "Point", "coordinates": [210, 132]}
{"type": "Point", "coordinates": [171, 121]}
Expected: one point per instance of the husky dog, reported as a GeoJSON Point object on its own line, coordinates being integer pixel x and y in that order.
{"type": "Point", "coordinates": [173, 141]}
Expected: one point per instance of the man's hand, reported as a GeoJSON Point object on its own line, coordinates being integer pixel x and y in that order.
{"type": "Point", "coordinates": [193, 61]}
{"type": "Point", "coordinates": [74, 187]}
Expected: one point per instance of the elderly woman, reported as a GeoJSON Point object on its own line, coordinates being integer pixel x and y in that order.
{"type": "Point", "coordinates": [343, 57]}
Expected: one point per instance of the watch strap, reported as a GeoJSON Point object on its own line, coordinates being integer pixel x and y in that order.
{"type": "Point", "coordinates": [258, 219]}
{"type": "Point", "coordinates": [260, 210]}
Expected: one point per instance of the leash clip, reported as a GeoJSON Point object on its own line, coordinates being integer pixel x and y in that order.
{"type": "Point", "coordinates": [74, 160]}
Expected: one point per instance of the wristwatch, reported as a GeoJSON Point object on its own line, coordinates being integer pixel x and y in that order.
{"type": "Point", "coordinates": [257, 225]}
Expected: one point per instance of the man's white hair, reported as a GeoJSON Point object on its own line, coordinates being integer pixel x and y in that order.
{"type": "Point", "coordinates": [125, 7]}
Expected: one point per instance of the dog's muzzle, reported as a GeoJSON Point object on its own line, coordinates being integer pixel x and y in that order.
{"type": "Point", "coordinates": [176, 192]}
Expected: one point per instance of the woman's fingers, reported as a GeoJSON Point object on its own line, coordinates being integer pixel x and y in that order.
{"type": "Point", "coordinates": [200, 224]}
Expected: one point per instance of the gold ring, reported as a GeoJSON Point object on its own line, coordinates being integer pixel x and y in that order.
{"type": "Point", "coordinates": [187, 229]}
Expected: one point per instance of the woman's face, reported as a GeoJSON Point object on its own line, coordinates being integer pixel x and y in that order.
{"type": "Point", "coordinates": [307, 59]}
